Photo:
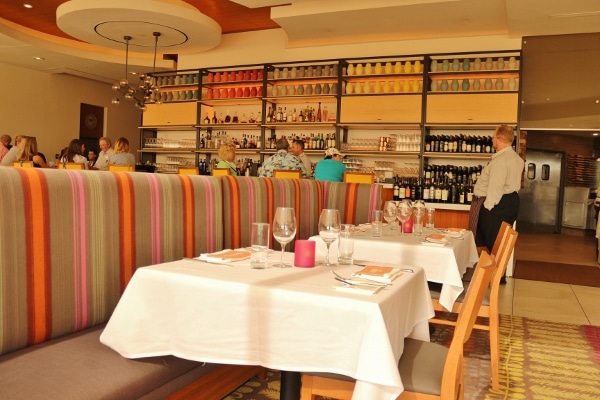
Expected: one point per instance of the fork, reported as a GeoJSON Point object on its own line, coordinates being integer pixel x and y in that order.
{"type": "Point", "coordinates": [359, 280]}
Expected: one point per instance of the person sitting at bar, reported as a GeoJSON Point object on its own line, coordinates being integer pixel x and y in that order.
{"type": "Point", "coordinates": [282, 160]}
{"type": "Point", "coordinates": [331, 168]}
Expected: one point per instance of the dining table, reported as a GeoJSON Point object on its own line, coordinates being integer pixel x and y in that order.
{"type": "Point", "coordinates": [444, 263]}
{"type": "Point", "coordinates": [290, 319]}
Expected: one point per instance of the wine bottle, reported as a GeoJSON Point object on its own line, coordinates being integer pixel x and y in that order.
{"type": "Point", "coordinates": [396, 189]}
{"type": "Point", "coordinates": [319, 113]}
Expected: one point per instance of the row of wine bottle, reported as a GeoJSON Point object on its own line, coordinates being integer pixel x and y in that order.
{"type": "Point", "coordinates": [458, 143]}
{"type": "Point", "coordinates": [442, 191]}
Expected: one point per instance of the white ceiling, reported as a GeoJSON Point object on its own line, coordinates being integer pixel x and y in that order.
{"type": "Point", "coordinates": [318, 22]}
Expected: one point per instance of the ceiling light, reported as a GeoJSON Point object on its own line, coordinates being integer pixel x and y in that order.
{"type": "Point", "coordinates": [27, 5]}
{"type": "Point", "coordinates": [147, 90]}
{"type": "Point", "coordinates": [39, 58]}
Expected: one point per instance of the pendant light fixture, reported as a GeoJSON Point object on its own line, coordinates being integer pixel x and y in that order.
{"type": "Point", "coordinates": [147, 90]}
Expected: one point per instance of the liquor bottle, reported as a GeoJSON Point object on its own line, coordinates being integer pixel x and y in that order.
{"type": "Point", "coordinates": [214, 118]}
{"type": "Point", "coordinates": [401, 189]}
{"type": "Point", "coordinates": [396, 189]}
{"type": "Point", "coordinates": [235, 119]}
{"type": "Point", "coordinates": [207, 119]}
{"type": "Point", "coordinates": [425, 191]}
{"type": "Point", "coordinates": [284, 115]}
{"type": "Point", "coordinates": [407, 190]}
{"type": "Point", "coordinates": [227, 118]}
{"type": "Point", "coordinates": [445, 191]}
{"type": "Point", "coordinates": [419, 189]}
{"type": "Point", "coordinates": [461, 194]}
{"type": "Point", "coordinates": [319, 113]}
{"type": "Point", "coordinates": [202, 143]}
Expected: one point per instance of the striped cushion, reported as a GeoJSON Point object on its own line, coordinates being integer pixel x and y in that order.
{"type": "Point", "coordinates": [250, 199]}
{"type": "Point", "coordinates": [354, 200]}
{"type": "Point", "coordinates": [71, 240]}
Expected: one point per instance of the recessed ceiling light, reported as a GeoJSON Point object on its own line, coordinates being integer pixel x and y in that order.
{"type": "Point", "coordinates": [27, 5]}
{"type": "Point", "coordinates": [595, 134]}
{"type": "Point", "coordinates": [39, 58]}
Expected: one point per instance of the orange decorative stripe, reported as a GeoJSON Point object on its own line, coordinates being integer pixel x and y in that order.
{"type": "Point", "coordinates": [270, 202]}
{"type": "Point", "coordinates": [351, 196]}
{"type": "Point", "coordinates": [126, 227]}
{"type": "Point", "coordinates": [189, 216]}
{"type": "Point", "coordinates": [37, 231]}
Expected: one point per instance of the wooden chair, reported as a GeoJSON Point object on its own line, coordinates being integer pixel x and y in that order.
{"type": "Point", "coordinates": [121, 167]}
{"type": "Point", "coordinates": [502, 250]}
{"type": "Point", "coordinates": [287, 173]}
{"type": "Point", "coordinates": [422, 361]}
{"type": "Point", "coordinates": [23, 164]}
{"type": "Point", "coordinates": [72, 165]}
{"type": "Point", "coordinates": [221, 171]}
{"type": "Point", "coordinates": [359, 177]}
{"type": "Point", "coordinates": [187, 170]}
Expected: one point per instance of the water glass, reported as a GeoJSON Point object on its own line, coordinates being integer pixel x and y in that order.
{"type": "Point", "coordinates": [259, 243]}
{"type": "Point", "coordinates": [346, 244]}
{"type": "Point", "coordinates": [376, 223]}
{"type": "Point", "coordinates": [430, 218]}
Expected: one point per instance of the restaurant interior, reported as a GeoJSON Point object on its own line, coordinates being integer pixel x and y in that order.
{"type": "Point", "coordinates": [58, 56]}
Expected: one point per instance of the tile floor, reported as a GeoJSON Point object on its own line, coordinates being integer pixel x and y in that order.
{"type": "Point", "coordinates": [553, 301]}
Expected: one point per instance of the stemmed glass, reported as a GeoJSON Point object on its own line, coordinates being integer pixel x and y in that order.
{"type": "Point", "coordinates": [284, 230]}
{"type": "Point", "coordinates": [403, 212]}
{"type": "Point", "coordinates": [329, 229]}
{"type": "Point", "coordinates": [389, 213]}
{"type": "Point", "coordinates": [418, 211]}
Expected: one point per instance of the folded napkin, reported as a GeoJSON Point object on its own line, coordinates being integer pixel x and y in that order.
{"type": "Point", "coordinates": [455, 232]}
{"type": "Point", "coordinates": [358, 289]}
{"type": "Point", "coordinates": [436, 238]}
{"type": "Point", "coordinates": [378, 273]}
{"type": "Point", "coordinates": [225, 256]}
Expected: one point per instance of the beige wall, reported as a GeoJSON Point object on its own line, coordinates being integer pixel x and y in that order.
{"type": "Point", "coordinates": [47, 106]}
{"type": "Point", "coordinates": [270, 46]}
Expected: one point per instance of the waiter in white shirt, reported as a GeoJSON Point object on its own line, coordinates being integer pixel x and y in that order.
{"type": "Point", "coordinates": [496, 190]}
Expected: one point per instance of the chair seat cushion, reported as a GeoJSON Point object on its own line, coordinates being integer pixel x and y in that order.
{"type": "Point", "coordinates": [435, 294]}
{"type": "Point", "coordinates": [79, 367]}
{"type": "Point", "coordinates": [422, 366]}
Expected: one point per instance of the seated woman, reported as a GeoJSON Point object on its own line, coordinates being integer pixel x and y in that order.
{"type": "Point", "coordinates": [29, 152]}
{"type": "Point", "coordinates": [74, 153]}
{"type": "Point", "coordinates": [227, 158]}
{"type": "Point", "coordinates": [331, 168]}
{"type": "Point", "coordinates": [121, 154]}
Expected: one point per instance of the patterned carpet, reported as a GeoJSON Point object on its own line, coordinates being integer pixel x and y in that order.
{"type": "Point", "coordinates": [546, 360]}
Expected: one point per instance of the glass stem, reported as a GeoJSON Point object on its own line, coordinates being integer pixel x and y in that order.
{"type": "Point", "coordinates": [282, 251]}
{"type": "Point", "coordinates": [327, 259]}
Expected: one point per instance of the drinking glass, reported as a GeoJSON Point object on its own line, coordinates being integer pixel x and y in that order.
{"type": "Point", "coordinates": [403, 212]}
{"type": "Point", "coordinates": [418, 212]}
{"type": "Point", "coordinates": [389, 213]}
{"type": "Point", "coordinates": [329, 229]}
{"type": "Point", "coordinates": [284, 230]}
{"type": "Point", "coordinates": [259, 242]}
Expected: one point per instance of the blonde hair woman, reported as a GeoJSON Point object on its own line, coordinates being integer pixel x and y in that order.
{"type": "Point", "coordinates": [227, 157]}
{"type": "Point", "coordinates": [121, 154]}
{"type": "Point", "coordinates": [29, 152]}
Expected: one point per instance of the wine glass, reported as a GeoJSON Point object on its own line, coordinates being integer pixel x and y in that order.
{"type": "Point", "coordinates": [329, 229]}
{"type": "Point", "coordinates": [389, 213]}
{"type": "Point", "coordinates": [418, 211]}
{"type": "Point", "coordinates": [403, 212]}
{"type": "Point", "coordinates": [284, 230]}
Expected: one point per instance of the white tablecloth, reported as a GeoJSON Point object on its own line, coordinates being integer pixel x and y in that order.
{"type": "Point", "coordinates": [446, 264]}
{"type": "Point", "coordinates": [289, 319]}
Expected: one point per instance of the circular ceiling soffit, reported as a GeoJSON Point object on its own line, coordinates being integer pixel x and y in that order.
{"type": "Point", "coordinates": [183, 28]}
{"type": "Point", "coordinates": [142, 34]}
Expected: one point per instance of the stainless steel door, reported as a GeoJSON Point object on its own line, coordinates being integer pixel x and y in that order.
{"type": "Point", "coordinates": [541, 195]}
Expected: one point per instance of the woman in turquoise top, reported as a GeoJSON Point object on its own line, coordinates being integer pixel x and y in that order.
{"type": "Point", "coordinates": [331, 168]}
{"type": "Point", "coordinates": [227, 158]}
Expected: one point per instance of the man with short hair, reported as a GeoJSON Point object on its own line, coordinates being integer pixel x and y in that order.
{"type": "Point", "coordinates": [298, 151]}
{"type": "Point", "coordinates": [282, 160]}
{"type": "Point", "coordinates": [105, 154]}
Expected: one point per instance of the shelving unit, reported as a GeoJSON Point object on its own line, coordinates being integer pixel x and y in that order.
{"type": "Point", "coordinates": [178, 86]}
{"type": "Point", "coordinates": [375, 110]}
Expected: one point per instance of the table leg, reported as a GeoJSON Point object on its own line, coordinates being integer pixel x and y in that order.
{"type": "Point", "coordinates": [290, 385]}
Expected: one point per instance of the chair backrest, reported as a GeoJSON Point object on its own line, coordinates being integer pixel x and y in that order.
{"type": "Point", "coordinates": [221, 171]}
{"type": "Point", "coordinates": [453, 368]}
{"type": "Point", "coordinates": [187, 170]}
{"type": "Point", "coordinates": [121, 167]}
{"type": "Point", "coordinates": [503, 253]}
{"type": "Point", "coordinates": [502, 233]}
{"type": "Point", "coordinates": [23, 164]}
{"type": "Point", "coordinates": [287, 173]}
{"type": "Point", "coordinates": [72, 165]}
{"type": "Point", "coordinates": [359, 177]}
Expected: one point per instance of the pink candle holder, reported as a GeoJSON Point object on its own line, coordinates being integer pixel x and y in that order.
{"type": "Point", "coordinates": [304, 254]}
